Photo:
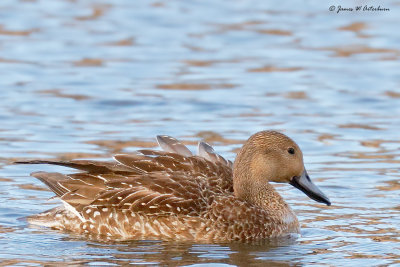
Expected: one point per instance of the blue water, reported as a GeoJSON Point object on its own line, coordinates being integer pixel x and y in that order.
{"type": "Point", "coordinates": [88, 79]}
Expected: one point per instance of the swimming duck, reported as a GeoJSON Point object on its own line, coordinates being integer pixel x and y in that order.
{"type": "Point", "coordinates": [173, 194]}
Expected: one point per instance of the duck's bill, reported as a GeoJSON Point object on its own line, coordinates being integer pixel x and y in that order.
{"type": "Point", "coordinates": [305, 184]}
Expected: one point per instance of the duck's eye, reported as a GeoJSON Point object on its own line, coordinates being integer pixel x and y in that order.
{"type": "Point", "coordinates": [290, 150]}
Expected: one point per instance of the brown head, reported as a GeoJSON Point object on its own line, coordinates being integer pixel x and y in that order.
{"type": "Point", "coordinates": [270, 156]}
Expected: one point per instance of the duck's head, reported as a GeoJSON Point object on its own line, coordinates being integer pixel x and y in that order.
{"type": "Point", "coordinates": [270, 156]}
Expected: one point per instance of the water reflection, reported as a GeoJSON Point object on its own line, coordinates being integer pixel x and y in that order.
{"type": "Point", "coordinates": [170, 253]}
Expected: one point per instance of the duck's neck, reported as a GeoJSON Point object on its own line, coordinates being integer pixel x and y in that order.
{"type": "Point", "coordinates": [256, 192]}
{"type": "Point", "coordinates": [262, 194]}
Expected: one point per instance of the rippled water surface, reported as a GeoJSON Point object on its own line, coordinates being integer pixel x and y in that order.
{"type": "Point", "coordinates": [88, 79]}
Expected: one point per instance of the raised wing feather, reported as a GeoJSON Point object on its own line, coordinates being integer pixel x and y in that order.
{"type": "Point", "coordinates": [170, 144]}
{"type": "Point", "coordinates": [206, 151]}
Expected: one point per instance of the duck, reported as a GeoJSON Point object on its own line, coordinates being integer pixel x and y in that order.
{"type": "Point", "coordinates": [172, 194]}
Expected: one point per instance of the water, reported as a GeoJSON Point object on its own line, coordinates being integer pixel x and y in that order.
{"type": "Point", "coordinates": [88, 79]}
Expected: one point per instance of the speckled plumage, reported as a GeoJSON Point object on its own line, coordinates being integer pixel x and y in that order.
{"type": "Point", "coordinates": [173, 194]}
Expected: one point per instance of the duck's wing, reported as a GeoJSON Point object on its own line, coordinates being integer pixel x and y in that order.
{"type": "Point", "coordinates": [157, 193]}
{"type": "Point", "coordinates": [218, 175]}
{"type": "Point", "coordinates": [152, 182]}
